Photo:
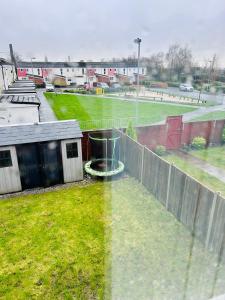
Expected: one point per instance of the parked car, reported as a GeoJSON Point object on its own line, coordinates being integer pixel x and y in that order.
{"type": "Point", "coordinates": [116, 85]}
{"type": "Point", "coordinates": [102, 85]}
{"type": "Point", "coordinates": [49, 87]}
{"type": "Point", "coordinates": [185, 87]}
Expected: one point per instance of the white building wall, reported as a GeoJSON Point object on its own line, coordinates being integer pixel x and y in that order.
{"type": "Point", "coordinates": [72, 167]}
{"type": "Point", "coordinates": [18, 114]}
{"type": "Point", "coordinates": [10, 176]}
{"type": "Point", "coordinates": [7, 76]}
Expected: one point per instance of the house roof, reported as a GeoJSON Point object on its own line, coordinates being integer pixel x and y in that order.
{"type": "Point", "coordinates": [80, 64]}
{"type": "Point", "coordinates": [39, 132]}
{"type": "Point", "coordinates": [43, 64]}
{"type": "Point", "coordinates": [4, 62]}
{"type": "Point", "coordinates": [20, 99]}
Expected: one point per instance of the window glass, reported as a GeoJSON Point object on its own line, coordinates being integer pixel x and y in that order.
{"type": "Point", "coordinates": [5, 159]}
{"type": "Point", "coordinates": [71, 150]}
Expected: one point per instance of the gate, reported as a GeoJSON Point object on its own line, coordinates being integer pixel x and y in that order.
{"type": "Point", "coordinates": [174, 131]}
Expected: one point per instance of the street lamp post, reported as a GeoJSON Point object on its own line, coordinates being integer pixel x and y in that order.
{"type": "Point", "coordinates": [138, 42]}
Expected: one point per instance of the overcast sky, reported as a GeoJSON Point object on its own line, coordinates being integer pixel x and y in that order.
{"type": "Point", "coordinates": [96, 29]}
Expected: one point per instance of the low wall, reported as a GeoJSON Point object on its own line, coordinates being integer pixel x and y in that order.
{"type": "Point", "coordinates": [173, 134]}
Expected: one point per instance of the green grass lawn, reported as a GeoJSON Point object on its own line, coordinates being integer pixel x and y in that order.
{"type": "Point", "coordinates": [208, 180]}
{"type": "Point", "coordinates": [102, 110]}
{"type": "Point", "coordinates": [213, 155]}
{"type": "Point", "coordinates": [216, 115]}
{"type": "Point", "coordinates": [56, 246]}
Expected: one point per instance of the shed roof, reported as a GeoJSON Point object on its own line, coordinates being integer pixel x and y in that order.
{"type": "Point", "coordinates": [20, 98]}
{"type": "Point", "coordinates": [23, 90]}
{"type": "Point", "coordinates": [4, 62]}
{"type": "Point", "coordinates": [39, 132]}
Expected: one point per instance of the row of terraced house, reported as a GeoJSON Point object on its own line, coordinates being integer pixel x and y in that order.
{"type": "Point", "coordinates": [79, 73]}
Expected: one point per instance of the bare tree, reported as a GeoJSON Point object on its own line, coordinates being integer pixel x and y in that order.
{"type": "Point", "coordinates": [155, 65]}
{"type": "Point", "coordinates": [179, 60]}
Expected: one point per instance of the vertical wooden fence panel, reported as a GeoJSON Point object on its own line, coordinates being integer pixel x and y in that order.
{"type": "Point", "coordinates": [218, 226]}
{"type": "Point", "coordinates": [189, 202]}
{"type": "Point", "coordinates": [133, 158]}
{"type": "Point", "coordinates": [205, 202]}
{"type": "Point", "coordinates": [177, 182]}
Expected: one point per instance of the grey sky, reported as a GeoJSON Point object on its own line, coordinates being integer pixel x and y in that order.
{"type": "Point", "coordinates": [95, 29]}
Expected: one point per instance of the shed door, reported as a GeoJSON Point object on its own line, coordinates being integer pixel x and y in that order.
{"type": "Point", "coordinates": [51, 166]}
{"type": "Point", "coordinates": [72, 160]}
{"type": "Point", "coordinates": [29, 165]}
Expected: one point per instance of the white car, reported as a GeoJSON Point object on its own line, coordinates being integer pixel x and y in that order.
{"type": "Point", "coordinates": [49, 87]}
{"type": "Point", "coordinates": [102, 85]}
{"type": "Point", "coordinates": [185, 87]}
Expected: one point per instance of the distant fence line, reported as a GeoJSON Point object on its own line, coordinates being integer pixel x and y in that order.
{"type": "Point", "coordinates": [113, 123]}
{"type": "Point", "coordinates": [201, 210]}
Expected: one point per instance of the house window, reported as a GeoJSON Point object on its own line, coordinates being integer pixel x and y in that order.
{"type": "Point", "coordinates": [143, 71]}
{"type": "Point", "coordinates": [71, 150]}
{"type": "Point", "coordinates": [67, 70]}
{"type": "Point", "coordinates": [104, 71]}
{"type": "Point", "coordinates": [61, 71]}
{"type": "Point", "coordinates": [38, 71]}
{"type": "Point", "coordinates": [124, 71]}
{"type": "Point", "coordinates": [82, 71]}
{"type": "Point", "coordinates": [5, 159]}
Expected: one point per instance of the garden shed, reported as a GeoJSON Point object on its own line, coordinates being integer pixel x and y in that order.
{"type": "Point", "coordinates": [39, 155]}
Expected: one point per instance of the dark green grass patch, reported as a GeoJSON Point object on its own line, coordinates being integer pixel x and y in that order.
{"type": "Point", "coordinates": [213, 155]}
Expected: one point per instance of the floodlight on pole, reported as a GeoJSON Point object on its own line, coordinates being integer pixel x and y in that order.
{"type": "Point", "coordinates": [138, 42]}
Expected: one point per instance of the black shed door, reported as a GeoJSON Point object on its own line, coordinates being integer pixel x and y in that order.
{"type": "Point", "coordinates": [51, 166]}
{"type": "Point", "coordinates": [29, 165]}
{"type": "Point", "coordinates": [40, 164]}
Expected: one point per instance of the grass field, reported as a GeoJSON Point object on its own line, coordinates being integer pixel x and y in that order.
{"type": "Point", "coordinates": [56, 246]}
{"type": "Point", "coordinates": [100, 111]}
{"type": "Point", "coordinates": [213, 155]}
{"type": "Point", "coordinates": [208, 180]}
{"type": "Point", "coordinates": [216, 115]}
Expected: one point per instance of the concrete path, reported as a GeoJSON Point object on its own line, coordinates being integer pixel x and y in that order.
{"type": "Point", "coordinates": [203, 165]}
{"type": "Point", "coordinates": [202, 111]}
{"type": "Point", "coordinates": [46, 112]}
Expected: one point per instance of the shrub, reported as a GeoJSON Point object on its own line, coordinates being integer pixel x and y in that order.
{"type": "Point", "coordinates": [198, 143]}
{"type": "Point", "coordinates": [223, 136]}
{"type": "Point", "coordinates": [160, 150]}
{"type": "Point", "coordinates": [131, 131]}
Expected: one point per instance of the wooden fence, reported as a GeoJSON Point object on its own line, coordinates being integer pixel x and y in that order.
{"type": "Point", "coordinates": [201, 210]}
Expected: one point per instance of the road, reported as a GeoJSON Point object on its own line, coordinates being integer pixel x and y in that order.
{"type": "Point", "coordinates": [204, 96]}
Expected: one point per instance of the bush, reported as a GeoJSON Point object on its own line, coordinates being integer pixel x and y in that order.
{"type": "Point", "coordinates": [198, 143]}
{"type": "Point", "coordinates": [131, 131]}
{"type": "Point", "coordinates": [223, 136]}
{"type": "Point", "coordinates": [160, 150]}
{"type": "Point", "coordinates": [173, 84]}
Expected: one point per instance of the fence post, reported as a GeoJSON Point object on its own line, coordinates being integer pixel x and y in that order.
{"type": "Point", "coordinates": [168, 186]}
{"type": "Point", "coordinates": [211, 217]}
{"type": "Point", "coordinates": [142, 162]}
